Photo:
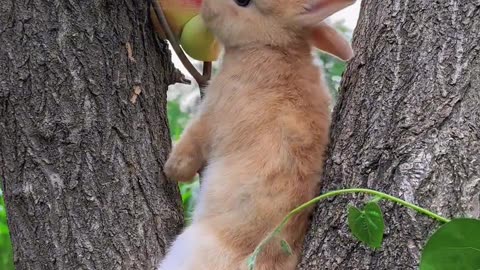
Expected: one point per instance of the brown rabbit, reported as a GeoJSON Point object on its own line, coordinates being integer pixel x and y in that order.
{"type": "Point", "coordinates": [261, 133]}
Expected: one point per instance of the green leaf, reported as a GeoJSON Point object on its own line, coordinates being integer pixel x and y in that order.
{"type": "Point", "coordinates": [454, 246]}
{"type": "Point", "coordinates": [367, 225]}
{"type": "Point", "coordinates": [286, 247]}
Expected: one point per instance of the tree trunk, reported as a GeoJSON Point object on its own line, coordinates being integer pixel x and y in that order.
{"type": "Point", "coordinates": [81, 155]}
{"type": "Point", "coordinates": [408, 124]}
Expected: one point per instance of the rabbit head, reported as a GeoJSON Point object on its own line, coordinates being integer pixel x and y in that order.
{"type": "Point", "coordinates": [239, 23]}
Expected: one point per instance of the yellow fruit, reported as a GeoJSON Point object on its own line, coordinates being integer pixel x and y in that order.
{"type": "Point", "coordinates": [198, 42]}
{"type": "Point", "coordinates": [177, 13]}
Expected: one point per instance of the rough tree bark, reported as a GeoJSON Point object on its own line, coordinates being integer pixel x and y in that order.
{"type": "Point", "coordinates": [407, 123]}
{"type": "Point", "coordinates": [80, 159]}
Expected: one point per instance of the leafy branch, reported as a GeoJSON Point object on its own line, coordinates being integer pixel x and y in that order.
{"type": "Point", "coordinates": [369, 219]}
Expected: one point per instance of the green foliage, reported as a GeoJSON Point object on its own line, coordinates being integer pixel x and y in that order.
{"type": "Point", "coordinates": [286, 247]}
{"type": "Point", "coordinates": [6, 252]}
{"type": "Point", "coordinates": [177, 119]}
{"type": "Point", "coordinates": [367, 225]}
{"type": "Point", "coordinates": [333, 67]}
{"type": "Point", "coordinates": [189, 195]}
{"type": "Point", "coordinates": [251, 261]}
{"type": "Point", "coordinates": [455, 246]}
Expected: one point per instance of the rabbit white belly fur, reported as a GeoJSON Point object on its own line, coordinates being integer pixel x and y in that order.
{"type": "Point", "coordinates": [196, 249]}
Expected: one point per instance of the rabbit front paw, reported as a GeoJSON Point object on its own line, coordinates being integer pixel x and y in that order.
{"type": "Point", "coordinates": [181, 168]}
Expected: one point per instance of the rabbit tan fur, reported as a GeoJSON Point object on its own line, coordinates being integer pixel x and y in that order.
{"type": "Point", "coordinates": [261, 133]}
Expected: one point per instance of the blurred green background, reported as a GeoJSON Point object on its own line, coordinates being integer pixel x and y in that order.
{"type": "Point", "coordinates": [178, 118]}
{"type": "Point", "coordinates": [6, 254]}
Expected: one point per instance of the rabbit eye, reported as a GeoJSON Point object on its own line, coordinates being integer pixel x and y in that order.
{"type": "Point", "coordinates": [242, 3]}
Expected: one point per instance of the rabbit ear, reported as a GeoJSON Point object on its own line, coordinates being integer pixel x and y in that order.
{"type": "Point", "coordinates": [323, 36]}
{"type": "Point", "coordinates": [328, 39]}
{"type": "Point", "coordinates": [316, 11]}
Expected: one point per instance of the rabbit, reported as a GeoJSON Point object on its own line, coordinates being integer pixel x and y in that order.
{"type": "Point", "coordinates": [260, 134]}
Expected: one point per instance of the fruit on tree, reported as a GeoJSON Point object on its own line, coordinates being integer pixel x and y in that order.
{"type": "Point", "coordinates": [198, 42]}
